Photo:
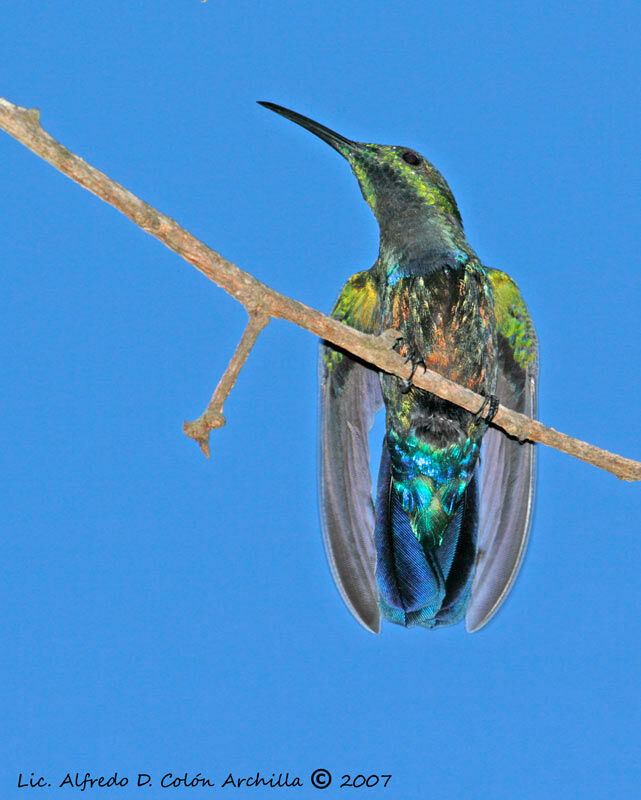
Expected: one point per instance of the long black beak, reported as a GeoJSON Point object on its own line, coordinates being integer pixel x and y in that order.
{"type": "Point", "coordinates": [335, 140]}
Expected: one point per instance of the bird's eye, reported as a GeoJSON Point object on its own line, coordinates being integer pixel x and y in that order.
{"type": "Point", "coordinates": [411, 158]}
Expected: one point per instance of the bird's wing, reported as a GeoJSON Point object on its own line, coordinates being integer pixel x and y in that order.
{"type": "Point", "coordinates": [508, 467]}
{"type": "Point", "coordinates": [350, 396]}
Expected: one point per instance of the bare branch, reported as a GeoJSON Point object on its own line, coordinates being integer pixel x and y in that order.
{"type": "Point", "coordinates": [212, 417]}
{"type": "Point", "coordinates": [24, 125]}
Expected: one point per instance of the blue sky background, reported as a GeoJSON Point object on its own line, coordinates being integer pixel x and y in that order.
{"type": "Point", "coordinates": [167, 613]}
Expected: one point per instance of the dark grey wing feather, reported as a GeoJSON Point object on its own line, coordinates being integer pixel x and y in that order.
{"type": "Point", "coordinates": [508, 475]}
{"type": "Point", "coordinates": [350, 396]}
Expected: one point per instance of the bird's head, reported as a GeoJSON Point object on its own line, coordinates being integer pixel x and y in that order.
{"type": "Point", "coordinates": [400, 185]}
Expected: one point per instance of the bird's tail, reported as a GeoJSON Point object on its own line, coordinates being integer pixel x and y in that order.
{"type": "Point", "coordinates": [424, 582]}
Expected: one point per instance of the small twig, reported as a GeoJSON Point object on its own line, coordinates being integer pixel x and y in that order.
{"type": "Point", "coordinates": [24, 125]}
{"type": "Point", "coordinates": [212, 417]}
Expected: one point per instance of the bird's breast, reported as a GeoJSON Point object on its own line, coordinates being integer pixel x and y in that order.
{"type": "Point", "coordinates": [447, 320]}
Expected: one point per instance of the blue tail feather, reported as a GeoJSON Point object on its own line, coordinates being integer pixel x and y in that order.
{"type": "Point", "coordinates": [459, 577]}
{"type": "Point", "coordinates": [419, 586]}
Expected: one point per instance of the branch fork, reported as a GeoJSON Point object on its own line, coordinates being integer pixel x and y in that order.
{"type": "Point", "coordinates": [212, 417]}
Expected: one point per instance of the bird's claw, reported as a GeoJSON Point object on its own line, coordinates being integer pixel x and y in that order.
{"type": "Point", "coordinates": [412, 354]}
{"type": "Point", "coordinates": [406, 385]}
{"type": "Point", "coordinates": [491, 403]}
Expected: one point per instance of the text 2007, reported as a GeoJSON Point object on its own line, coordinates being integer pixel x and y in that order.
{"type": "Point", "coordinates": [360, 781]}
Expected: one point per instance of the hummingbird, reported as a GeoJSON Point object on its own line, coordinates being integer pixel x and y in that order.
{"type": "Point", "coordinates": [445, 535]}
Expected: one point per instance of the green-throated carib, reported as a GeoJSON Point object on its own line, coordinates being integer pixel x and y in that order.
{"type": "Point", "coordinates": [447, 532]}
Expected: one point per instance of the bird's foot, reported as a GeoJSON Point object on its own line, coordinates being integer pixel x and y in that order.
{"type": "Point", "coordinates": [412, 356]}
{"type": "Point", "coordinates": [416, 361]}
{"type": "Point", "coordinates": [491, 403]}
